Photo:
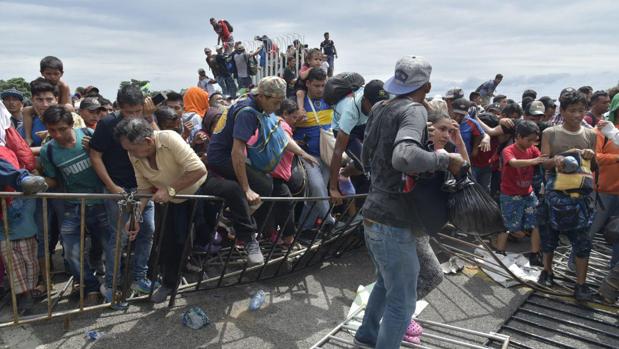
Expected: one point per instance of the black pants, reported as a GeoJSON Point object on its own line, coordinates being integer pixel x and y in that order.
{"type": "Point", "coordinates": [231, 192]}
{"type": "Point", "coordinates": [174, 232]}
{"type": "Point", "coordinates": [260, 183]}
{"type": "Point", "coordinates": [282, 209]}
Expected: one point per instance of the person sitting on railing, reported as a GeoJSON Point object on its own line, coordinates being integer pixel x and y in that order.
{"type": "Point", "coordinates": [164, 165]}
{"type": "Point", "coordinates": [113, 167]}
{"type": "Point", "coordinates": [65, 162]}
{"type": "Point", "coordinates": [227, 149]}
{"type": "Point", "coordinates": [283, 214]}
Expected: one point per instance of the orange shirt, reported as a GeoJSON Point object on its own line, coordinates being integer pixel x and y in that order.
{"type": "Point", "coordinates": [607, 156]}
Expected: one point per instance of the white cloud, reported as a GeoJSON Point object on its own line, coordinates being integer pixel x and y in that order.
{"type": "Point", "coordinates": [542, 45]}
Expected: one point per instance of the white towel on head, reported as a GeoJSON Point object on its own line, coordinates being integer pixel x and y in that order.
{"type": "Point", "coordinates": [5, 122]}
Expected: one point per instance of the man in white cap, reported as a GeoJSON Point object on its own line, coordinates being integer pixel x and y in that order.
{"type": "Point", "coordinates": [393, 146]}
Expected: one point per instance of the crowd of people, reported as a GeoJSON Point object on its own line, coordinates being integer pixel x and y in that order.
{"type": "Point", "coordinates": [541, 162]}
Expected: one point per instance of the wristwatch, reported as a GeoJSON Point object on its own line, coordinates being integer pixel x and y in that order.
{"type": "Point", "coordinates": [171, 192]}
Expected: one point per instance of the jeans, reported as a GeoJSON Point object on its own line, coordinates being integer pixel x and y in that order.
{"type": "Point", "coordinates": [483, 176]}
{"type": "Point", "coordinates": [228, 86]}
{"type": "Point", "coordinates": [610, 208]}
{"type": "Point", "coordinates": [394, 253]}
{"type": "Point", "coordinates": [330, 60]}
{"type": "Point", "coordinates": [281, 211]}
{"type": "Point", "coordinates": [244, 82]}
{"type": "Point", "coordinates": [143, 241]}
{"type": "Point", "coordinates": [317, 179]}
{"type": "Point", "coordinates": [98, 228]}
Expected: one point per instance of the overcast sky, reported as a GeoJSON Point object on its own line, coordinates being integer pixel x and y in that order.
{"type": "Point", "coordinates": [545, 45]}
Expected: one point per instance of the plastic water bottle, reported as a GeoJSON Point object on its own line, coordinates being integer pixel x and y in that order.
{"type": "Point", "coordinates": [94, 335]}
{"type": "Point", "coordinates": [195, 318]}
{"type": "Point", "coordinates": [257, 300]}
{"type": "Point", "coordinates": [346, 186]}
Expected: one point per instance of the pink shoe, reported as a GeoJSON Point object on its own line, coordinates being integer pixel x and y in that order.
{"type": "Point", "coordinates": [414, 329]}
{"type": "Point", "coordinates": [412, 339]}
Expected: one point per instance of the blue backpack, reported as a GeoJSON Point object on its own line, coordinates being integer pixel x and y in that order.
{"type": "Point", "coordinates": [265, 154]}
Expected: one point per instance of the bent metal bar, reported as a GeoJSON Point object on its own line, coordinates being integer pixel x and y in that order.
{"type": "Point", "coordinates": [228, 262]}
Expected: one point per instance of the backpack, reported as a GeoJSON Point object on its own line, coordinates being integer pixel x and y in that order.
{"type": "Point", "coordinates": [265, 154]}
{"type": "Point", "coordinates": [567, 213]}
{"type": "Point", "coordinates": [230, 29]}
{"type": "Point", "coordinates": [252, 66]}
{"type": "Point", "coordinates": [342, 85]}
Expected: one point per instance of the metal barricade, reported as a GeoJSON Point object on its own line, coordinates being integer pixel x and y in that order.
{"type": "Point", "coordinates": [221, 267]}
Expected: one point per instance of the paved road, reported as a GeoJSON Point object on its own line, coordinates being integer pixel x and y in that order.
{"type": "Point", "coordinates": [300, 309]}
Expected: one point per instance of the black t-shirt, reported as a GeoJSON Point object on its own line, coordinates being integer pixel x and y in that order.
{"type": "Point", "coordinates": [115, 158]}
{"type": "Point", "coordinates": [328, 47]}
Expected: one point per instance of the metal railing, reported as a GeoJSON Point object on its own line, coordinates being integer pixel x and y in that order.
{"type": "Point", "coordinates": [276, 62]}
{"type": "Point", "coordinates": [227, 266]}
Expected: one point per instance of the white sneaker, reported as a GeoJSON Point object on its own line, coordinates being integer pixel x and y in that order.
{"type": "Point", "coordinates": [254, 255]}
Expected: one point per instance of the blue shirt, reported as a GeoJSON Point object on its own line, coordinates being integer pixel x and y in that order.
{"type": "Point", "coordinates": [307, 131]}
{"type": "Point", "coordinates": [37, 125]}
{"type": "Point", "coordinates": [231, 127]}
{"type": "Point", "coordinates": [348, 113]}
{"type": "Point", "coordinates": [487, 88]}
{"type": "Point", "coordinates": [470, 128]}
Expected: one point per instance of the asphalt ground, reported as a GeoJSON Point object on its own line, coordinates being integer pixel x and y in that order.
{"type": "Point", "coordinates": [299, 310]}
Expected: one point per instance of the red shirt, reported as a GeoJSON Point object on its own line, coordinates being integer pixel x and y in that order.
{"type": "Point", "coordinates": [284, 168]}
{"type": "Point", "coordinates": [517, 181]}
{"type": "Point", "coordinates": [483, 159]}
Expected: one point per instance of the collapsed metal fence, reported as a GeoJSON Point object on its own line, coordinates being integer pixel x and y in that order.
{"type": "Point", "coordinates": [221, 267]}
{"type": "Point", "coordinates": [227, 266]}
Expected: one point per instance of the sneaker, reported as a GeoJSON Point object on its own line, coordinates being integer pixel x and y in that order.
{"type": "Point", "coordinates": [33, 184]}
{"type": "Point", "coordinates": [108, 296]}
{"type": "Point", "coordinates": [546, 279]}
{"type": "Point", "coordinates": [582, 293]}
{"type": "Point", "coordinates": [254, 255]}
{"type": "Point", "coordinates": [161, 294]}
{"type": "Point", "coordinates": [360, 344]}
{"type": "Point", "coordinates": [143, 286]}
{"type": "Point", "coordinates": [535, 259]}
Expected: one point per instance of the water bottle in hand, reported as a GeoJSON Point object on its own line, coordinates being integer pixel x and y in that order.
{"type": "Point", "coordinates": [257, 300]}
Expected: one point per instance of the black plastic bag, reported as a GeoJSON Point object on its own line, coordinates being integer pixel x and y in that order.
{"type": "Point", "coordinates": [472, 209]}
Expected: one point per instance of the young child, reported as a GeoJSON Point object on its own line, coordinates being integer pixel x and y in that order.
{"type": "Point", "coordinates": [518, 201]}
{"type": "Point", "coordinates": [52, 70]}
{"type": "Point", "coordinates": [573, 137]}
{"type": "Point", "coordinates": [312, 60]}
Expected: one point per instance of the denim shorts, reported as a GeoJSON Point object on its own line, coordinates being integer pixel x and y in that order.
{"type": "Point", "coordinates": [519, 212]}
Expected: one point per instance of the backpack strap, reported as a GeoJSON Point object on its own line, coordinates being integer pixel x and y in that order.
{"type": "Point", "coordinates": [598, 201]}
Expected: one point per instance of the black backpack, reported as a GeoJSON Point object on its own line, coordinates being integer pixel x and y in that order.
{"type": "Point", "coordinates": [341, 85]}
{"type": "Point", "coordinates": [230, 29]}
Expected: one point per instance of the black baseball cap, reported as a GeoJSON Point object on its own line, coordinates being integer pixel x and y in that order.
{"type": "Point", "coordinates": [90, 103]}
{"type": "Point", "coordinates": [12, 92]}
{"type": "Point", "coordinates": [461, 106]}
{"type": "Point", "coordinates": [374, 92]}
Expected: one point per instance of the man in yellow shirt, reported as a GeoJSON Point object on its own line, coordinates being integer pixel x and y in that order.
{"type": "Point", "coordinates": [165, 165]}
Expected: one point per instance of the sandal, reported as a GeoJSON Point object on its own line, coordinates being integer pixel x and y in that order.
{"type": "Point", "coordinates": [412, 339]}
{"type": "Point", "coordinates": [414, 329]}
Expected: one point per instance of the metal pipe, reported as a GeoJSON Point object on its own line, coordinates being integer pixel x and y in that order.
{"type": "Point", "coordinates": [48, 281]}
{"type": "Point", "coordinates": [567, 322]}
{"type": "Point", "coordinates": [82, 233]}
{"type": "Point", "coordinates": [9, 256]}
{"type": "Point", "coordinates": [117, 254]}
{"type": "Point", "coordinates": [563, 333]}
